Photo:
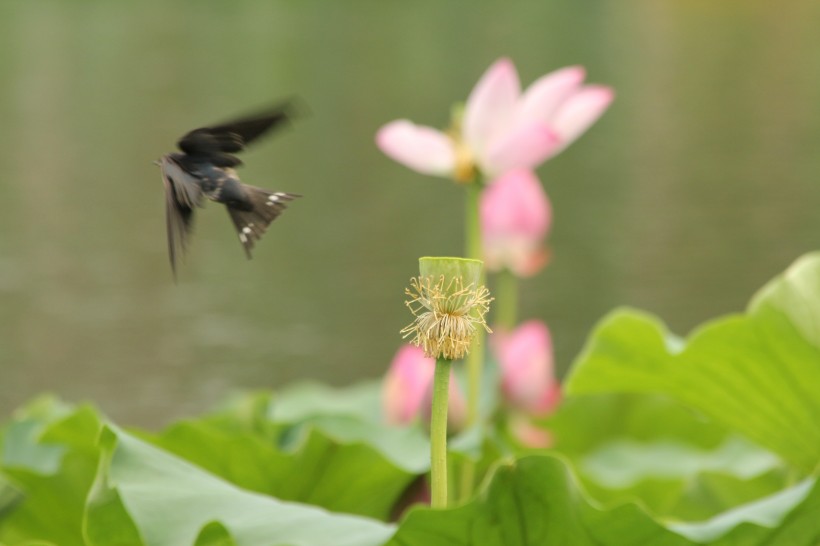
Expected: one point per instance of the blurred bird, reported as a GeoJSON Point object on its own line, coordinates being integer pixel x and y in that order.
{"type": "Point", "coordinates": [205, 168]}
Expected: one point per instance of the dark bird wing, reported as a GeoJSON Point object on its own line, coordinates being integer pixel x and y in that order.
{"type": "Point", "coordinates": [182, 195]}
{"type": "Point", "coordinates": [234, 136]}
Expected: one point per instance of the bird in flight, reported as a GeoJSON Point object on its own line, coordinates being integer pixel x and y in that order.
{"type": "Point", "coordinates": [205, 167]}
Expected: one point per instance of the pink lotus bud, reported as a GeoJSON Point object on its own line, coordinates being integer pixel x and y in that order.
{"type": "Point", "coordinates": [407, 390]}
{"type": "Point", "coordinates": [527, 375]}
{"type": "Point", "coordinates": [528, 433]}
{"type": "Point", "coordinates": [515, 217]}
{"type": "Point", "coordinates": [405, 385]}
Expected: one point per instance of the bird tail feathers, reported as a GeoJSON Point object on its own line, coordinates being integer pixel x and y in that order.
{"type": "Point", "coordinates": [265, 207]}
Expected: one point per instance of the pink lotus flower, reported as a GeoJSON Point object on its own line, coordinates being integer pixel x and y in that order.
{"type": "Point", "coordinates": [515, 217]}
{"type": "Point", "coordinates": [529, 434]}
{"type": "Point", "coordinates": [528, 378]}
{"type": "Point", "coordinates": [502, 128]}
{"type": "Point", "coordinates": [407, 390]}
{"type": "Point", "coordinates": [405, 384]}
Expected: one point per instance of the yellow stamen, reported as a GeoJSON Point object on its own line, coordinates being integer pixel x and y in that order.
{"type": "Point", "coordinates": [447, 317]}
{"type": "Point", "coordinates": [465, 170]}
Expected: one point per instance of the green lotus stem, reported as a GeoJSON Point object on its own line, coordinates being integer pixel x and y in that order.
{"type": "Point", "coordinates": [449, 303]}
{"type": "Point", "coordinates": [467, 477]}
{"type": "Point", "coordinates": [507, 306]}
{"type": "Point", "coordinates": [438, 433]}
{"type": "Point", "coordinates": [475, 360]}
{"type": "Point", "coordinates": [472, 226]}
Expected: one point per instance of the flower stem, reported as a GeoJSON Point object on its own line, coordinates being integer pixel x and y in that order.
{"type": "Point", "coordinates": [507, 302]}
{"type": "Point", "coordinates": [472, 235]}
{"type": "Point", "coordinates": [472, 225]}
{"type": "Point", "coordinates": [467, 478]}
{"type": "Point", "coordinates": [438, 433]}
{"type": "Point", "coordinates": [475, 360]}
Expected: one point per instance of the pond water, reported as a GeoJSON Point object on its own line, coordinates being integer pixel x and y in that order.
{"type": "Point", "coordinates": [699, 184]}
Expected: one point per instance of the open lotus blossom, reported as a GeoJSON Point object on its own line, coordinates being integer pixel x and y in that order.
{"type": "Point", "coordinates": [407, 390]}
{"type": "Point", "coordinates": [515, 217]}
{"type": "Point", "coordinates": [502, 127]}
{"type": "Point", "coordinates": [528, 379]}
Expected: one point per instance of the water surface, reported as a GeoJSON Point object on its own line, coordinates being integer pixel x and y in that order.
{"type": "Point", "coordinates": [701, 183]}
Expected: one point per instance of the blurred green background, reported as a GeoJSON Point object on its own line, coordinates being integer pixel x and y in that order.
{"type": "Point", "coordinates": [699, 184]}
